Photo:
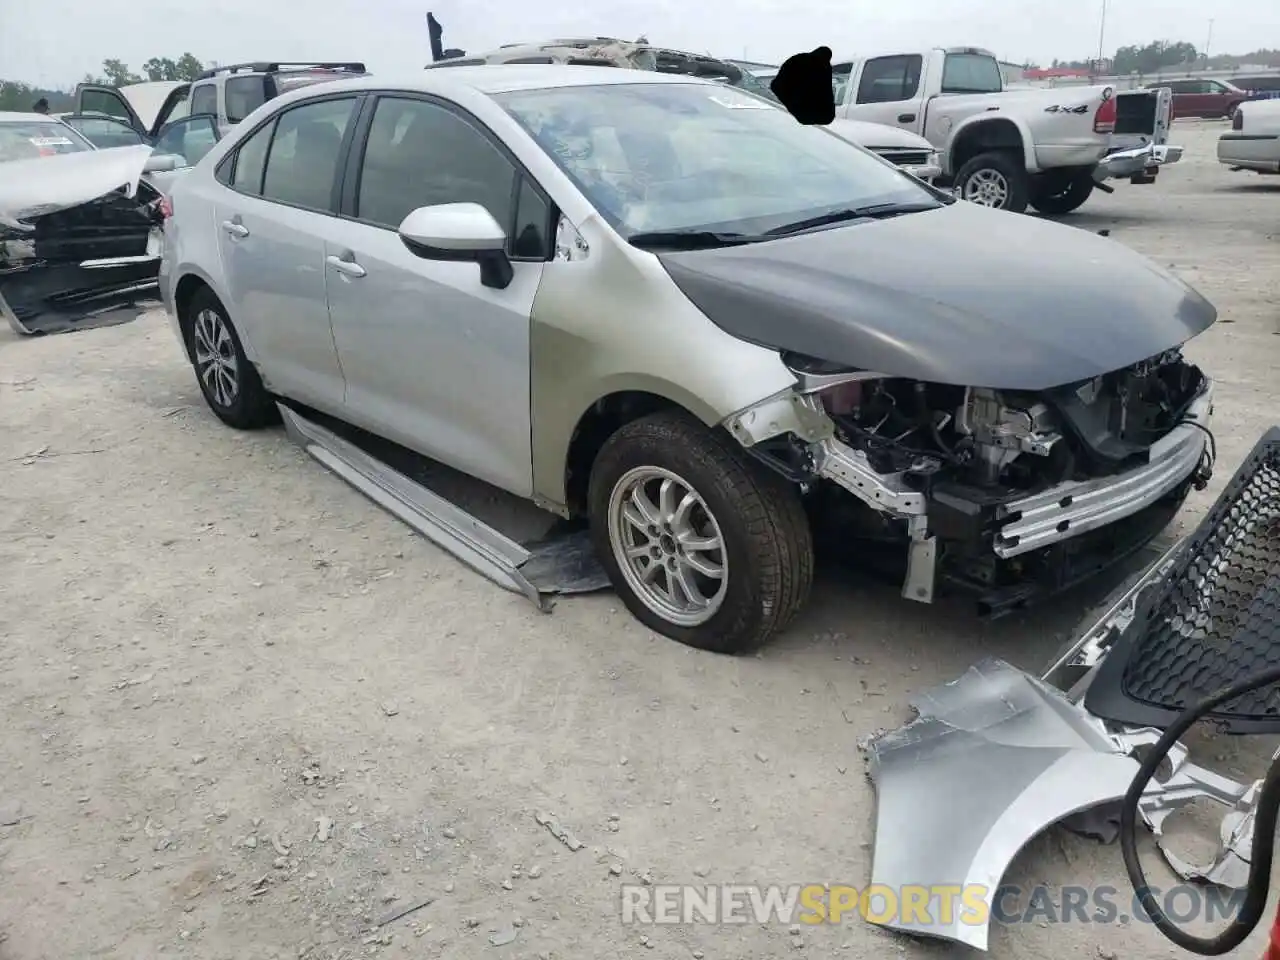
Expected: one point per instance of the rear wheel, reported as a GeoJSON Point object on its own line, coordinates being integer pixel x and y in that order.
{"type": "Point", "coordinates": [1056, 194]}
{"type": "Point", "coordinates": [702, 545]}
{"type": "Point", "coordinates": [229, 382]}
{"type": "Point", "coordinates": [1231, 110]}
{"type": "Point", "coordinates": [996, 179]}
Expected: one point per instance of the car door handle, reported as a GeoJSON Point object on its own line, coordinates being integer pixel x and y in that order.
{"type": "Point", "coordinates": [348, 268]}
{"type": "Point", "coordinates": [235, 229]}
{"type": "Point", "coordinates": [906, 118]}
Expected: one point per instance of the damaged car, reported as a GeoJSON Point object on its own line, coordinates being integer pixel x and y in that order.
{"type": "Point", "coordinates": [659, 305]}
{"type": "Point", "coordinates": [80, 228]}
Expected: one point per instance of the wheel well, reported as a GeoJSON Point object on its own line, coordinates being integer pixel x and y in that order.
{"type": "Point", "coordinates": [984, 137]}
{"type": "Point", "coordinates": [601, 421]}
{"type": "Point", "coordinates": [188, 287]}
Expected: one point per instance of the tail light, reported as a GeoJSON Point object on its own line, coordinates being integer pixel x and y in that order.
{"type": "Point", "coordinates": [1237, 119]}
{"type": "Point", "coordinates": [166, 207]}
{"type": "Point", "coordinates": [1104, 121]}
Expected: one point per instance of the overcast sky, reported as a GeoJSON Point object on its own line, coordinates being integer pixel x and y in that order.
{"type": "Point", "coordinates": [55, 42]}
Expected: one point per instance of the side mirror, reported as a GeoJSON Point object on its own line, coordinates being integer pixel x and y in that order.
{"type": "Point", "coordinates": [162, 163]}
{"type": "Point", "coordinates": [460, 232]}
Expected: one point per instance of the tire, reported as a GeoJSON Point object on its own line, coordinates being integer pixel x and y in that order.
{"type": "Point", "coordinates": [230, 383]}
{"type": "Point", "coordinates": [1231, 110]}
{"type": "Point", "coordinates": [766, 544]}
{"type": "Point", "coordinates": [992, 177]}
{"type": "Point", "coordinates": [1056, 195]}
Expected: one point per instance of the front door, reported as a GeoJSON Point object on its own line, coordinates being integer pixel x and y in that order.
{"type": "Point", "coordinates": [271, 229]}
{"type": "Point", "coordinates": [434, 359]}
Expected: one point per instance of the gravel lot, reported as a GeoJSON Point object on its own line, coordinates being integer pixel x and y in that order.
{"type": "Point", "coordinates": [210, 648]}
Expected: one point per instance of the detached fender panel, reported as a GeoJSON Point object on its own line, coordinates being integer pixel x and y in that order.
{"type": "Point", "coordinates": [994, 758]}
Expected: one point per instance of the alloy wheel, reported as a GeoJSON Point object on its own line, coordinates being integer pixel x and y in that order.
{"type": "Point", "coordinates": [668, 545]}
{"type": "Point", "coordinates": [987, 187]}
{"type": "Point", "coordinates": [215, 356]}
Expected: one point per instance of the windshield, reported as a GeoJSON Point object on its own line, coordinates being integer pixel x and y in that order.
{"type": "Point", "coordinates": [656, 157]}
{"type": "Point", "coordinates": [26, 139]}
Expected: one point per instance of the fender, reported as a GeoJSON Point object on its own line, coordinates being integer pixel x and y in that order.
{"type": "Point", "coordinates": [188, 269]}
{"type": "Point", "coordinates": [553, 437]}
{"type": "Point", "coordinates": [1024, 131]}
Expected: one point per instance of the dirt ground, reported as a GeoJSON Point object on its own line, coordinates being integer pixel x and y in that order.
{"type": "Point", "coordinates": [212, 651]}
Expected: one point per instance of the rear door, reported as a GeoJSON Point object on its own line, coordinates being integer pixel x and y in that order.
{"type": "Point", "coordinates": [433, 358]}
{"type": "Point", "coordinates": [272, 226]}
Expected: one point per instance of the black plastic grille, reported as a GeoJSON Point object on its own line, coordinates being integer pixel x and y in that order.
{"type": "Point", "coordinates": [1215, 620]}
{"type": "Point", "coordinates": [904, 158]}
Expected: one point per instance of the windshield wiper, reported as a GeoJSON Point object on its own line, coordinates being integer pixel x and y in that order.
{"type": "Point", "coordinates": [691, 239]}
{"type": "Point", "coordinates": [873, 211]}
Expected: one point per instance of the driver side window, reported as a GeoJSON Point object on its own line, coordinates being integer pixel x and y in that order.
{"type": "Point", "coordinates": [419, 153]}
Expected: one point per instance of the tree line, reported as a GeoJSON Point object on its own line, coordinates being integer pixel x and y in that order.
{"type": "Point", "coordinates": [18, 96]}
{"type": "Point", "coordinates": [1164, 55]}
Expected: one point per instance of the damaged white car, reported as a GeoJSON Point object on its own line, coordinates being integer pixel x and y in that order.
{"type": "Point", "coordinates": [80, 228]}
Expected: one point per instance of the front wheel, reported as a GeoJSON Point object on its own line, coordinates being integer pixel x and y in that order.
{"type": "Point", "coordinates": [1056, 195]}
{"type": "Point", "coordinates": [996, 179]}
{"type": "Point", "coordinates": [702, 545]}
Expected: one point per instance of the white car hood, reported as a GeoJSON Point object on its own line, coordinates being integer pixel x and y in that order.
{"type": "Point", "coordinates": [875, 136]}
{"type": "Point", "coordinates": [40, 185]}
{"type": "Point", "coordinates": [148, 97]}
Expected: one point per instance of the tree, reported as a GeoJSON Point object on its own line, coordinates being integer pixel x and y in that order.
{"type": "Point", "coordinates": [160, 68]}
{"type": "Point", "coordinates": [186, 67]}
{"type": "Point", "coordinates": [118, 74]}
{"type": "Point", "coordinates": [20, 97]}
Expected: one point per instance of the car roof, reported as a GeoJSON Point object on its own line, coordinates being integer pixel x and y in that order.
{"type": "Point", "coordinates": [496, 78]}
{"type": "Point", "coordinates": [18, 116]}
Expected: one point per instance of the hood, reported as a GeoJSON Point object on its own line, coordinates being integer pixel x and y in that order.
{"type": "Point", "coordinates": [147, 98]}
{"type": "Point", "coordinates": [878, 136]}
{"type": "Point", "coordinates": [41, 185]}
{"type": "Point", "coordinates": [963, 295]}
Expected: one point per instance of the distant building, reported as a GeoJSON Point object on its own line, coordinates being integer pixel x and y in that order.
{"type": "Point", "coordinates": [1057, 73]}
{"type": "Point", "coordinates": [1012, 72]}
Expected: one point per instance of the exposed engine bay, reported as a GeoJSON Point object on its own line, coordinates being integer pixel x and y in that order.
{"type": "Point", "coordinates": [1014, 441]}
{"type": "Point", "coordinates": [1009, 494]}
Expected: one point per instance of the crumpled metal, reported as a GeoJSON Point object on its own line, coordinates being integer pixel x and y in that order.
{"type": "Point", "coordinates": [42, 185]}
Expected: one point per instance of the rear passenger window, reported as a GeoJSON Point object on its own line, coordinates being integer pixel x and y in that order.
{"type": "Point", "coordinates": [249, 162]}
{"type": "Point", "coordinates": [303, 160]}
{"type": "Point", "coordinates": [244, 95]}
{"type": "Point", "coordinates": [204, 98]}
{"type": "Point", "coordinates": [419, 154]}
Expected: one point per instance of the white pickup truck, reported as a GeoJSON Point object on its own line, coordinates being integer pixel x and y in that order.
{"type": "Point", "coordinates": [1010, 148]}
